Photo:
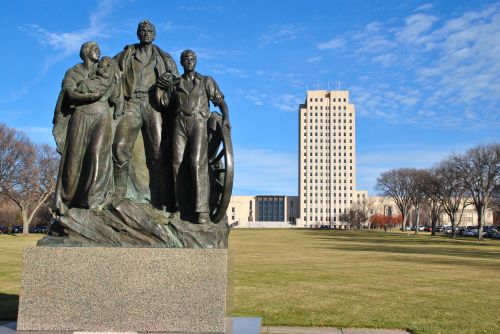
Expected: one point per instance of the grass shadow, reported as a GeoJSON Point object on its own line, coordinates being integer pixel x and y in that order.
{"type": "Point", "coordinates": [8, 307]}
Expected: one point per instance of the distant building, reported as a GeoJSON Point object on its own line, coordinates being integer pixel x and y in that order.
{"type": "Point", "coordinates": [263, 211]}
{"type": "Point", "coordinates": [327, 158]}
{"type": "Point", "coordinates": [387, 206]}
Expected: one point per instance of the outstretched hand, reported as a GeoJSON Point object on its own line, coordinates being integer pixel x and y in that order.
{"type": "Point", "coordinates": [165, 80]}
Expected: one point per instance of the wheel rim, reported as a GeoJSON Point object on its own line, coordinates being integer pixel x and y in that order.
{"type": "Point", "coordinates": [220, 165]}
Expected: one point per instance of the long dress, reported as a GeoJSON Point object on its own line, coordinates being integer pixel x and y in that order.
{"type": "Point", "coordinates": [85, 172]}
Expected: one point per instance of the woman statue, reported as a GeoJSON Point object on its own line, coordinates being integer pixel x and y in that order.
{"type": "Point", "coordinates": [83, 131]}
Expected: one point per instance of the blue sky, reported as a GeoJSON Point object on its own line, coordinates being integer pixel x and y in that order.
{"type": "Point", "coordinates": [424, 76]}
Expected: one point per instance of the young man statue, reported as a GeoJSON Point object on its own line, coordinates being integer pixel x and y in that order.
{"type": "Point", "coordinates": [190, 96]}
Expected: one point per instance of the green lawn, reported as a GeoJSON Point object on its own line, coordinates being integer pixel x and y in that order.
{"type": "Point", "coordinates": [343, 279]}
{"type": "Point", "coordinates": [367, 279]}
{"type": "Point", "coordinates": [11, 253]}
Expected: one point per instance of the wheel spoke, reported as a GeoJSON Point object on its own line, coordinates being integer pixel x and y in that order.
{"type": "Point", "coordinates": [219, 156]}
{"type": "Point", "coordinates": [219, 169]}
{"type": "Point", "coordinates": [219, 183]}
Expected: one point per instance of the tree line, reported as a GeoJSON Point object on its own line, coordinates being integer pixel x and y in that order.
{"type": "Point", "coordinates": [463, 179]}
{"type": "Point", "coordinates": [28, 174]}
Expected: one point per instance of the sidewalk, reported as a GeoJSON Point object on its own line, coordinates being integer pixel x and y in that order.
{"type": "Point", "coordinates": [9, 327]}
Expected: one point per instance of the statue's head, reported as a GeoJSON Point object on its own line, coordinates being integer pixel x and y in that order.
{"type": "Point", "coordinates": [104, 67]}
{"type": "Point", "coordinates": [90, 50]}
{"type": "Point", "coordinates": [146, 32]}
{"type": "Point", "coordinates": [188, 60]}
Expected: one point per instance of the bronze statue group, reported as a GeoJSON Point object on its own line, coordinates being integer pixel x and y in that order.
{"type": "Point", "coordinates": [107, 104]}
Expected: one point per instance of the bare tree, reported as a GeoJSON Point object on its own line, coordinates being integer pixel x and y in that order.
{"type": "Point", "coordinates": [398, 185]}
{"type": "Point", "coordinates": [451, 193]}
{"type": "Point", "coordinates": [479, 170]}
{"type": "Point", "coordinates": [435, 206]}
{"type": "Point", "coordinates": [419, 194]}
{"type": "Point", "coordinates": [431, 187]}
{"type": "Point", "coordinates": [495, 205]}
{"type": "Point", "coordinates": [27, 172]}
{"type": "Point", "coordinates": [357, 214]}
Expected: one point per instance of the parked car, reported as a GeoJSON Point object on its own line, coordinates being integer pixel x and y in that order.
{"type": "Point", "coordinates": [472, 232]}
{"type": "Point", "coordinates": [489, 233]}
{"type": "Point", "coordinates": [428, 229]}
{"type": "Point", "coordinates": [4, 229]}
{"type": "Point", "coordinates": [439, 228]}
{"type": "Point", "coordinates": [17, 229]}
{"type": "Point", "coordinates": [42, 229]}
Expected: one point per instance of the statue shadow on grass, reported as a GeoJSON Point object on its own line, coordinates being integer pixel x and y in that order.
{"type": "Point", "coordinates": [8, 307]}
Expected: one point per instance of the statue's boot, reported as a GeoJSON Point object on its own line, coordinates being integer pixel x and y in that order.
{"type": "Point", "coordinates": [203, 218]}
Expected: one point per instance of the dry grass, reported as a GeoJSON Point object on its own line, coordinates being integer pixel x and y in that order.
{"type": "Point", "coordinates": [343, 279]}
{"type": "Point", "coordinates": [11, 251]}
{"type": "Point", "coordinates": [367, 279]}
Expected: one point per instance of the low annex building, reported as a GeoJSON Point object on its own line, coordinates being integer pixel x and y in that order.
{"type": "Point", "coordinates": [266, 211]}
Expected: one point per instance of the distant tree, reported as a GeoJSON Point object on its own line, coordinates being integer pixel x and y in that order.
{"type": "Point", "coordinates": [27, 172]}
{"type": "Point", "coordinates": [435, 207]}
{"type": "Point", "coordinates": [398, 184]}
{"type": "Point", "coordinates": [385, 222]}
{"type": "Point", "coordinates": [495, 205]}
{"type": "Point", "coordinates": [479, 171]}
{"type": "Point", "coordinates": [450, 192]}
{"type": "Point", "coordinates": [357, 215]}
{"type": "Point", "coordinates": [419, 194]}
{"type": "Point", "coordinates": [9, 212]}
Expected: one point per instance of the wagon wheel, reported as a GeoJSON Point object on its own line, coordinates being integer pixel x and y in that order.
{"type": "Point", "coordinates": [220, 167]}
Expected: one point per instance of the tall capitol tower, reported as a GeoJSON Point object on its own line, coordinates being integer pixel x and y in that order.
{"type": "Point", "coordinates": [327, 158]}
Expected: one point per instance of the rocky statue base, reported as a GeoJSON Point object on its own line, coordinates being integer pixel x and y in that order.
{"type": "Point", "coordinates": [123, 289]}
{"type": "Point", "coordinates": [124, 223]}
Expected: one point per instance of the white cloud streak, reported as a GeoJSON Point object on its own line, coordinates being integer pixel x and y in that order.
{"type": "Point", "coordinates": [63, 44]}
{"type": "Point", "coordinates": [431, 69]}
{"type": "Point", "coordinates": [69, 42]}
{"type": "Point", "coordinates": [279, 34]}
{"type": "Point", "coordinates": [334, 43]}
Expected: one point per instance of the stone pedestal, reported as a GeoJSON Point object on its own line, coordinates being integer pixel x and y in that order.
{"type": "Point", "coordinates": [123, 289]}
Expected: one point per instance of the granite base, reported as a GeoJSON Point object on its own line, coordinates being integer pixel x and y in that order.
{"type": "Point", "coordinates": [123, 290]}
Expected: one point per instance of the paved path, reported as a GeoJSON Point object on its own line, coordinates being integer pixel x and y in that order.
{"type": "Point", "coordinates": [7, 327]}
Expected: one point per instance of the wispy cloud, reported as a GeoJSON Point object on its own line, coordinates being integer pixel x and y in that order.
{"type": "Point", "coordinates": [265, 171]}
{"type": "Point", "coordinates": [426, 62]}
{"type": "Point", "coordinates": [227, 70]}
{"type": "Point", "coordinates": [201, 8]}
{"type": "Point", "coordinates": [334, 43]}
{"type": "Point", "coordinates": [283, 102]}
{"type": "Point", "coordinates": [63, 44]}
{"type": "Point", "coordinates": [424, 7]}
{"type": "Point", "coordinates": [287, 102]}
{"type": "Point", "coordinates": [417, 28]}
{"type": "Point", "coordinates": [279, 34]}
{"type": "Point", "coordinates": [69, 42]}
{"type": "Point", "coordinates": [314, 59]}
{"type": "Point", "coordinates": [171, 26]}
